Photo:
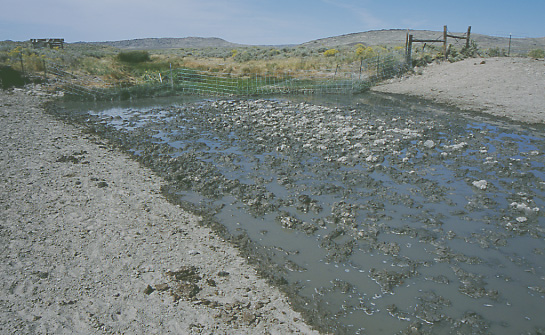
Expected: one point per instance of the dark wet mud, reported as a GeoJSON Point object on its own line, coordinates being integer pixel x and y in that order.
{"type": "Point", "coordinates": [385, 215]}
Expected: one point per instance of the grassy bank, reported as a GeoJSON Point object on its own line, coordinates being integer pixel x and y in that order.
{"type": "Point", "coordinates": [103, 67]}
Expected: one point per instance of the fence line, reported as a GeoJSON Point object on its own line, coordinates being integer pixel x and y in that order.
{"type": "Point", "coordinates": [352, 78]}
{"type": "Point", "coordinates": [512, 46]}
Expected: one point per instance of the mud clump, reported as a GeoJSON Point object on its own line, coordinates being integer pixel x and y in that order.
{"type": "Point", "coordinates": [388, 280]}
{"type": "Point", "coordinates": [288, 221]}
{"type": "Point", "coordinates": [473, 285]}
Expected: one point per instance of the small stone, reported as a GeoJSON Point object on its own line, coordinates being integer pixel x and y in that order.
{"type": "Point", "coordinates": [148, 290]}
{"type": "Point", "coordinates": [102, 184]}
{"type": "Point", "coordinates": [42, 274]}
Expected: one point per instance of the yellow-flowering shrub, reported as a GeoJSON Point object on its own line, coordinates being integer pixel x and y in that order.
{"type": "Point", "coordinates": [331, 52]}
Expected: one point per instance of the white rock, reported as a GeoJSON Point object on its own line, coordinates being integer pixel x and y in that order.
{"type": "Point", "coordinates": [524, 207]}
{"type": "Point", "coordinates": [458, 146]}
{"type": "Point", "coordinates": [480, 184]}
{"type": "Point", "coordinates": [429, 144]}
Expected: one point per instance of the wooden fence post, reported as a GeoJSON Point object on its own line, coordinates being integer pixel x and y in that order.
{"type": "Point", "coordinates": [509, 52]}
{"type": "Point", "coordinates": [407, 41]}
{"type": "Point", "coordinates": [409, 51]}
{"type": "Point", "coordinates": [445, 41]}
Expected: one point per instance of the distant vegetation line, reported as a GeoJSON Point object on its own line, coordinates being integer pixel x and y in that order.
{"type": "Point", "coordinates": [151, 60]}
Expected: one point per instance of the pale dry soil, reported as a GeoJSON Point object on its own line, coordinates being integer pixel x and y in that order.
{"type": "Point", "coordinates": [506, 87]}
{"type": "Point", "coordinates": [90, 246]}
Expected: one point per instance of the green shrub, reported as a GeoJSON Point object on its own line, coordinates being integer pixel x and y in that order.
{"type": "Point", "coordinates": [244, 56]}
{"type": "Point", "coordinates": [471, 51]}
{"type": "Point", "coordinates": [10, 78]}
{"type": "Point", "coordinates": [133, 56]}
{"type": "Point", "coordinates": [496, 52]}
{"type": "Point", "coordinates": [537, 53]}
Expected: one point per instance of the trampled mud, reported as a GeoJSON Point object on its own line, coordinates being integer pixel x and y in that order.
{"type": "Point", "coordinates": [384, 215]}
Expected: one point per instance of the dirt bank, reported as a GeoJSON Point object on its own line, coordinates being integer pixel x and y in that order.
{"type": "Point", "coordinates": [89, 245]}
{"type": "Point", "coordinates": [507, 87]}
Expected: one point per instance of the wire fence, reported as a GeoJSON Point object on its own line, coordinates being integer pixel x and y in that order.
{"type": "Point", "coordinates": [514, 45]}
{"type": "Point", "coordinates": [343, 79]}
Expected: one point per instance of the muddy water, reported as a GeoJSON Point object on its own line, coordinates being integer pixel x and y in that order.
{"type": "Point", "coordinates": [387, 215]}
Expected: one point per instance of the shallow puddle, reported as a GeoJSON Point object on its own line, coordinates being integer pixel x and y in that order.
{"type": "Point", "coordinates": [388, 215]}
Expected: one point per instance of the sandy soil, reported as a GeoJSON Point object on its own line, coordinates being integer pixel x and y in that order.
{"type": "Point", "coordinates": [90, 246]}
{"type": "Point", "coordinates": [507, 87]}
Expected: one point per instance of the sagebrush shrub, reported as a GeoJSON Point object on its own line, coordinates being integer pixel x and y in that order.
{"type": "Point", "coordinates": [537, 53]}
{"type": "Point", "coordinates": [133, 56]}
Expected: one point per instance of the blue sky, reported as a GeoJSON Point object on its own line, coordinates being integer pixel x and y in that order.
{"type": "Point", "coordinates": [260, 21]}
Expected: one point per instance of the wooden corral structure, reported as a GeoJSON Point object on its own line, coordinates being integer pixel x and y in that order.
{"type": "Point", "coordinates": [47, 42]}
{"type": "Point", "coordinates": [411, 40]}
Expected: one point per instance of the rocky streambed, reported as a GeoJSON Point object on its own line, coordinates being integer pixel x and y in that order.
{"type": "Point", "coordinates": [378, 214]}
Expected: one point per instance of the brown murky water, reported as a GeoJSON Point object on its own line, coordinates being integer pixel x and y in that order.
{"type": "Point", "coordinates": [387, 215]}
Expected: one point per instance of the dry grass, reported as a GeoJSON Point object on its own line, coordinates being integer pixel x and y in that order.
{"type": "Point", "coordinates": [103, 64]}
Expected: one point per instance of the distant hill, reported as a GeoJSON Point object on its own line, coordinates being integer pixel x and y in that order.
{"type": "Point", "coordinates": [396, 37]}
{"type": "Point", "coordinates": [391, 37]}
{"type": "Point", "coordinates": [170, 43]}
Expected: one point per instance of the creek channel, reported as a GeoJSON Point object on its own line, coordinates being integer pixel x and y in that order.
{"type": "Point", "coordinates": [383, 214]}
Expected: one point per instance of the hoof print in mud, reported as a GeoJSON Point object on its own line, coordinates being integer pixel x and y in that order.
{"type": "Point", "coordinates": [74, 158]}
{"type": "Point", "coordinates": [182, 283]}
{"type": "Point", "coordinates": [184, 290]}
